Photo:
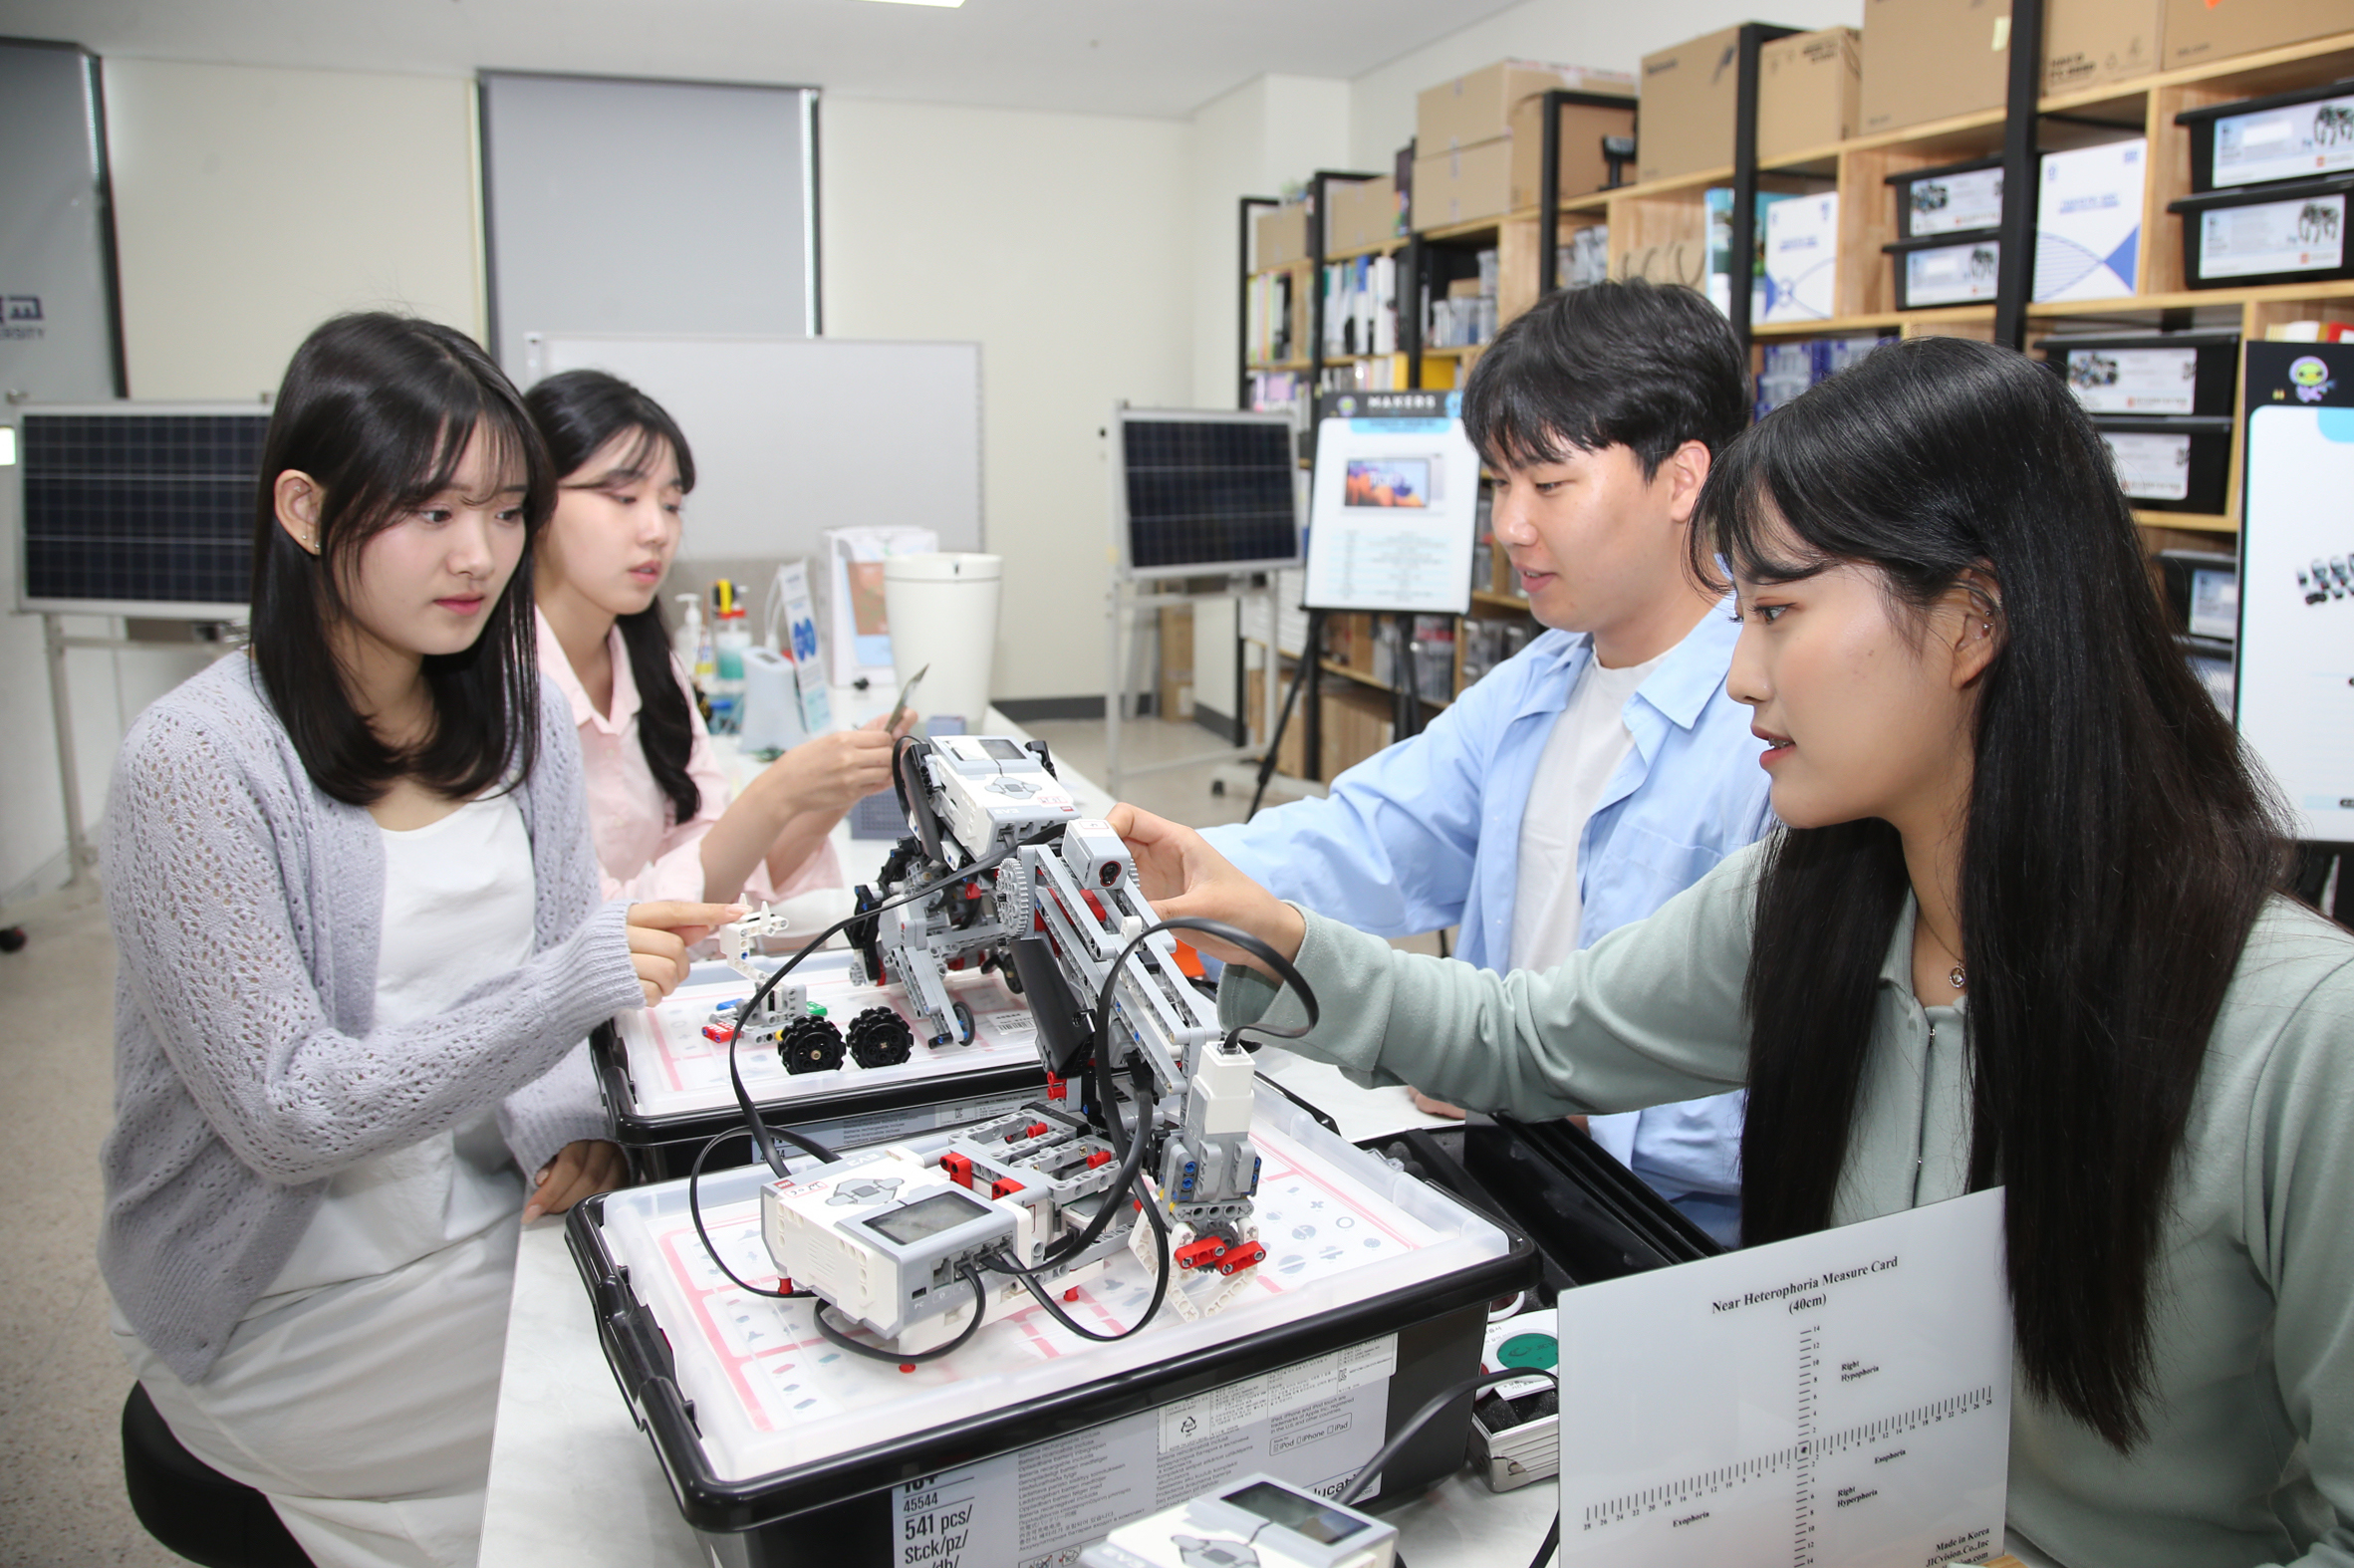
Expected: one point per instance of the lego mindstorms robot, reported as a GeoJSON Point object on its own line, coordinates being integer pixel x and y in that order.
{"type": "Point", "coordinates": [1002, 873]}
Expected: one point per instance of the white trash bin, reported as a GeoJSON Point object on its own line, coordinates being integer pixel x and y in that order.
{"type": "Point", "coordinates": [943, 613]}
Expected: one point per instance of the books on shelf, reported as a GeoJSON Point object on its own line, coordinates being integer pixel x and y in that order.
{"type": "Point", "coordinates": [1465, 314]}
{"type": "Point", "coordinates": [1360, 306]}
{"type": "Point", "coordinates": [1584, 259]}
{"type": "Point", "coordinates": [1280, 392]}
{"type": "Point", "coordinates": [1792, 367]}
{"type": "Point", "coordinates": [1270, 320]}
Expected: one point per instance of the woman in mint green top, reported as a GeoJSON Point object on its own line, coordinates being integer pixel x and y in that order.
{"type": "Point", "coordinates": [2022, 928]}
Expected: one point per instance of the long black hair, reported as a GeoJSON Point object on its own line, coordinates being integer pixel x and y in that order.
{"type": "Point", "coordinates": [577, 412]}
{"type": "Point", "coordinates": [2117, 850]}
{"type": "Point", "coordinates": [379, 409]}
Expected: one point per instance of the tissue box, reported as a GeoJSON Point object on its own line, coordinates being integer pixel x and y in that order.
{"type": "Point", "coordinates": [2088, 221]}
{"type": "Point", "coordinates": [1801, 258]}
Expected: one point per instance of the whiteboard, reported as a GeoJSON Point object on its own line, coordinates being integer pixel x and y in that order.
{"type": "Point", "coordinates": [796, 435]}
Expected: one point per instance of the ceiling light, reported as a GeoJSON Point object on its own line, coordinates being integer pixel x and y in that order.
{"type": "Point", "coordinates": [951, 4]}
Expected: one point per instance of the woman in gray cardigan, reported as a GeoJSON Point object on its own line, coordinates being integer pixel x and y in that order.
{"type": "Point", "coordinates": [2022, 927]}
{"type": "Point", "coordinates": [351, 885]}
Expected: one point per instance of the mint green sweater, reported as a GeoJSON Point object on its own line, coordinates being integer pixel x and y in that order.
{"type": "Point", "coordinates": [2251, 1454]}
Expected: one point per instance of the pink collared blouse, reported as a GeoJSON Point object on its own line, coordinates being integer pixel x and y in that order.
{"type": "Point", "coordinates": [640, 851]}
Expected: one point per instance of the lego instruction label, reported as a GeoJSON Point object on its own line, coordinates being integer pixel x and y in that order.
{"type": "Point", "coordinates": [1313, 1424]}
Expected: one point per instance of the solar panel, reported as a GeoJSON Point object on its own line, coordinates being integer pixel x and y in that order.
{"type": "Point", "coordinates": [139, 509]}
{"type": "Point", "coordinates": [1206, 491]}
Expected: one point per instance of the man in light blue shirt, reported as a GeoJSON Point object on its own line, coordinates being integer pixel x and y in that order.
{"type": "Point", "coordinates": [1602, 770]}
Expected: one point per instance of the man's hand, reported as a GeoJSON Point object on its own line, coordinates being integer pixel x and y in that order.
{"type": "Point", "coordinates": [659, 934]}
{"type": "Point", "coordinates": [580, 1170]}
{"type": "Point", "coordinates": [1181, 874]}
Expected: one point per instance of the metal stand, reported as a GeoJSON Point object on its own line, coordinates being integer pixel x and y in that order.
{"type": "Point", "coordinates": [2014, 276]}
{"type": "Point", "coordinates": [1126, 604]}
{"type": "Point", "coordinates": [80, 858]}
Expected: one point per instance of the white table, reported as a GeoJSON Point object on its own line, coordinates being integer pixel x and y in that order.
{"type": "Point", "coordinates": [573, 1479]}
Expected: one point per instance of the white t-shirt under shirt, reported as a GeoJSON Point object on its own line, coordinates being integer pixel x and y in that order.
{"type": "Point", "coordinates": [1589, 741]}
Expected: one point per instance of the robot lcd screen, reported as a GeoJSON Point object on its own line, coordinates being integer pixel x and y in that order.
{"type": "Point", "coordinates": [1002, 750]}
{"type": "Point", "coordinates": [923, 1221]}
{"type": "Point", "coordinates": [1301, 1515]}
{"type": "Point", "coordinates": [1388, 482]}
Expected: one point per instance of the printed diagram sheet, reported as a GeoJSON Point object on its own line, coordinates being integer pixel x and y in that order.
{"type": "Point", "coordinates": [774, 1393]}
{"type": "Point", "coordinates": [1839, 1401]}
{"type": "Point", "coordinates": [673, 1067]}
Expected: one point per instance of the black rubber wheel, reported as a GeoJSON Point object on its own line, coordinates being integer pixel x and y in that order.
{"type": "Point", "coordinates": [811, 1045]}
{"type": "Point", "coordinates": [880, 1037]}
{"type": "Point", "coordinates": [965, 1023]}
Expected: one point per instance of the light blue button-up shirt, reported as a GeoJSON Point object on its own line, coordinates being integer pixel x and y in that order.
{"type": "Point", "coordinates": [1426, 833]}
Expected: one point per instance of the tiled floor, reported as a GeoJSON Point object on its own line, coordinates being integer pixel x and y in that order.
{"type": "Point", "coordinates": [62, 1384]}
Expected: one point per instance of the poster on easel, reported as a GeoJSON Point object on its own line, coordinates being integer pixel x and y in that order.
{"type": "Point", "coordinates": [2296, 704]}
{"type": "Point", "coordinates": [1394, 504]}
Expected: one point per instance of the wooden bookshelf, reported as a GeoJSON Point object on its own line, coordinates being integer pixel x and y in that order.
{"type": "Point", "coordinates": [1660, 229]}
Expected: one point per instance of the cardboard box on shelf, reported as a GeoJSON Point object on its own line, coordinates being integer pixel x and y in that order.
{"type": "Point", "coordinates": [1477, 105]}
{"type": "Point", "coordinates": [1930, 59]}
{"type": "Point", "coordinates": [1281, 235]}
{"type": "Point", "coordinates": [1463, 186]}
{"type": "Point", "coordinates": [1688, 95]}
{"type": "Point", "coordinates": [1363, 213]}
{"type": "Point", "coordinates": [2197, 31]}
{"type": "Point", "coordinates": [2092, 42]}
{"type": "Point", "coordinates": [1356, 722]}
{"type": "Point", "coordinates": [1583, 168]}
{"type": "Point", "coordinates": [1291, 754]}
{"type": "Point", "coordinates": [1808, 90]}
{"type": "Point", "coordinates": [1177, 662]}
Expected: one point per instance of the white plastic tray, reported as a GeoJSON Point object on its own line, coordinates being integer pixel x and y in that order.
{"type": "Point", "coordinates": [1340, 1228]}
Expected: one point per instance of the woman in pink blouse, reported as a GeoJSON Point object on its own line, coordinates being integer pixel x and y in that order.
{"type": "Point", "coordinates": [659, 811]}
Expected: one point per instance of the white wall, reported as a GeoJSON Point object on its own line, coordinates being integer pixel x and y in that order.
{"type": "Point", "coordinates": [1571, 32]}
{"type": "Point", "coordinates": [1269, 133]}
{"type": "Point", "coordinates": [1059, 243]}
{"type": "Point", "coordinates": [252, 203]}
{"type": "Point", "coordinates": [249, 205]}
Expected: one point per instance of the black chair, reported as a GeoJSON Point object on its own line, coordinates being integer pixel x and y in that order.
{"type": "Point", "coordinates": [193, 1508]}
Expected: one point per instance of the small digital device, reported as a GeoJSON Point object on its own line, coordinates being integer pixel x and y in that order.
{"type": "Point", "coordinates": [1257, 1522]}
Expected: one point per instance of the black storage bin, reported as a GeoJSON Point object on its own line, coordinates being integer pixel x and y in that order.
{"type": "Point", "coordinates": [2147, 374]}
{"type": "Point", "coordinates": [2171, 465]}
{"type": "Point", "coordinates": [837, 1509]}
{"type": "Point", "coordinates": [1952, 269]}
{"type": "Point", "coordinates": [2299, 135]}
{"type": "Point", "coordinates": [662, 1148]}
{"type": "Point", "coordinates": [2193, 594]}
{"type": "Point", "coordinates": [2255, 234]}
{"type": "Point", "coordinates": [1939, 203]}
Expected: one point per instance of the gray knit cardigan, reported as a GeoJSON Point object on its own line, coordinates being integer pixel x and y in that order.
{"type": "Point", "coordinates": [247, 909]}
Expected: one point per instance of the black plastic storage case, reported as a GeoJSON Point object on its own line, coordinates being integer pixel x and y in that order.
{"type": "Point", "coordinates": [2101, 370]}
{"type": "Point", "coordinates": [662, 1146]}
{"type": "Point", "coordinates": [1981, 265]}
{"type": "Point", "coordinates": [1922, 191]}
{"type": "Point", "coordinates": [2294, 232]}
{"type": "Point", "coordinates": [2201, 450]}
{"type": "Point", "coordinates": [2322, 140]}
{"type": "Point", "coordinates": [837, 1512]}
